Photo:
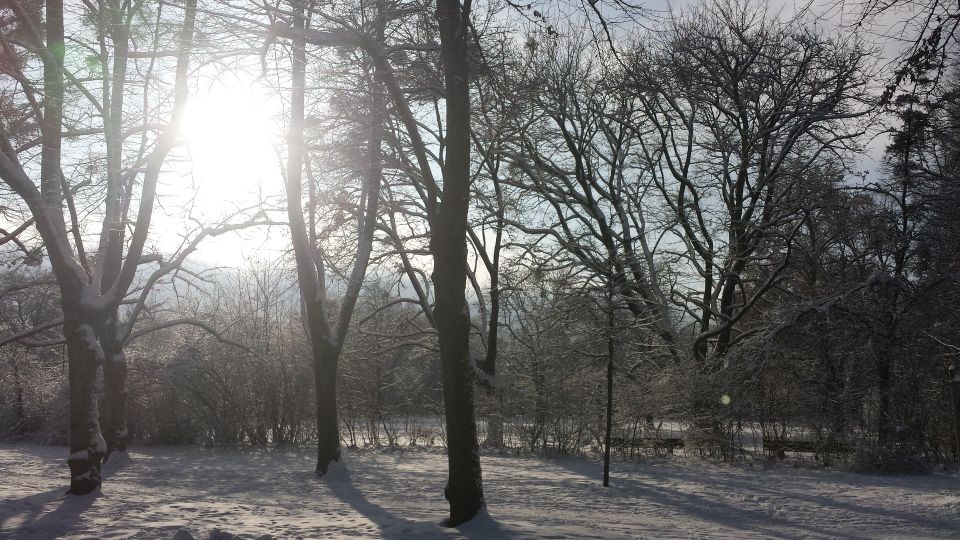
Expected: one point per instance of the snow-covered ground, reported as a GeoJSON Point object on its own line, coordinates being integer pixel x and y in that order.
{"type": "Point", "coordinates": [398, 494]}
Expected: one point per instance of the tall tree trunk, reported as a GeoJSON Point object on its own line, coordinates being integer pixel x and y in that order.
{"type": "Point", "coordinates": [611, 348]}
{"type": "Point", "coordinates": [464, 489]}
{"type": "Point", "coordinates": [327, 342]}
{"type": "Point", "coordinates": [87, 446]}
{"type": "Point", "coordinates": [495, 420]}
{"type": "Point", "coordinates": [309, 266]}
{"type": "Point", "coordinates": [83, 325]}
{"type": "Point", "coordinates": [955, 396]}
{"type": "Point", "coordinates": [448, 245]}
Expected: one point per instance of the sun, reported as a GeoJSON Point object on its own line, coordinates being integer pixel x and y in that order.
{"type": "Point", "coordinates": [229, 131]}
{"type": "Point", "coordinates": [229, 170]}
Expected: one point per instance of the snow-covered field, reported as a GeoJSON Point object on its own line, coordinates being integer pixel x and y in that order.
{"type": "Point", "coordinates": [398, 494]}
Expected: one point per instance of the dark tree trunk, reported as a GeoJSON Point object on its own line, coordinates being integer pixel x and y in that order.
{"type": "Point", "coordinates": [464, 488]}
{"type": "Point", "coordinates": [325, 359]}
{"type": "Point", "coordinates": [726, 314]}
{"type": "Point", "coordinates": [83, 325]}
{"type": "Point", "coordinates": [955, 396]}
{"type": "Point", "coordinates": [606, 439]}
{"type": "Point", "coordinates": [87, 446]}
{"type": "Point", "coordinates": [495, 419]}
{"type": "Point", "coordinates": [448, 245]}
{"type": "Point", "coordinates": [701, 345]}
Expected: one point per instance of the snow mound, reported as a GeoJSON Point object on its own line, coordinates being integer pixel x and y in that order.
{"type": "Point", "coordinates": [337, 471]}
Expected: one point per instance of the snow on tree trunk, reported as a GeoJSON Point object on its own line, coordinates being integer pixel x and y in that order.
{"type": "Point", "coordinates": [87, 446]}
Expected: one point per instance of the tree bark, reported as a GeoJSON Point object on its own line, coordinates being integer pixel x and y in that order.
{"type": "Point", "coordinates": [87, 446]}
{"type": "Point", "coordinates": [325, 358]}
{"type": "Point", "coordinates": [609, 430]}
{"type": "Point", "coordinates": [448, 245]}
{"type": "Point", "coordinates": [87, 300]}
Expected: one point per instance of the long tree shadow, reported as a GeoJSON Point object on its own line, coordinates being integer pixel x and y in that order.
{"type": "Point", "coordinates": [703, 507]}
{"type": "Point", "coordinates": [390, 525]}
{"type": "Point", "coordinates": [54, 524]}
{"type": "Point", "coordinates": [342, 486]}
{"type": "Point", "coordinates": [25, 509]}
{"type": "Point", "coordinates": [116, 462]}
{"type": "Point", "coordinates": [824, 501]}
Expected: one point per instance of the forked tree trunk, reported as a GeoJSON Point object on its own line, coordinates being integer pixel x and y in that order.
{"type": "Point", "coordinates": [326, 341]}
{"type": "Point", "coordinates": [83, 325]}
{"type": "Point", "coordinates": [87, 446]}
{"type": "Point", "coordinates": [448, 229]}
{"type": "Point", "coordinates": [309, 268]}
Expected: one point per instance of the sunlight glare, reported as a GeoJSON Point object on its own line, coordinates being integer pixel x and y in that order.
{"type": "Point", "coordinates": [228, 132]}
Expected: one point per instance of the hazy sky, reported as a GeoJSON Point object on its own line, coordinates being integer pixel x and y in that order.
{"type": "Point", "coordinates": [231, 127]}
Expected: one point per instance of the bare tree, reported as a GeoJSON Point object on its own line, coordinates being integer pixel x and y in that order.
{"type": "Point", "coordinates": [735, 108]}
{"type": "Point", "coordinates": [90, 289]}
{"type": "Point", "coordinates": [327, 338]}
